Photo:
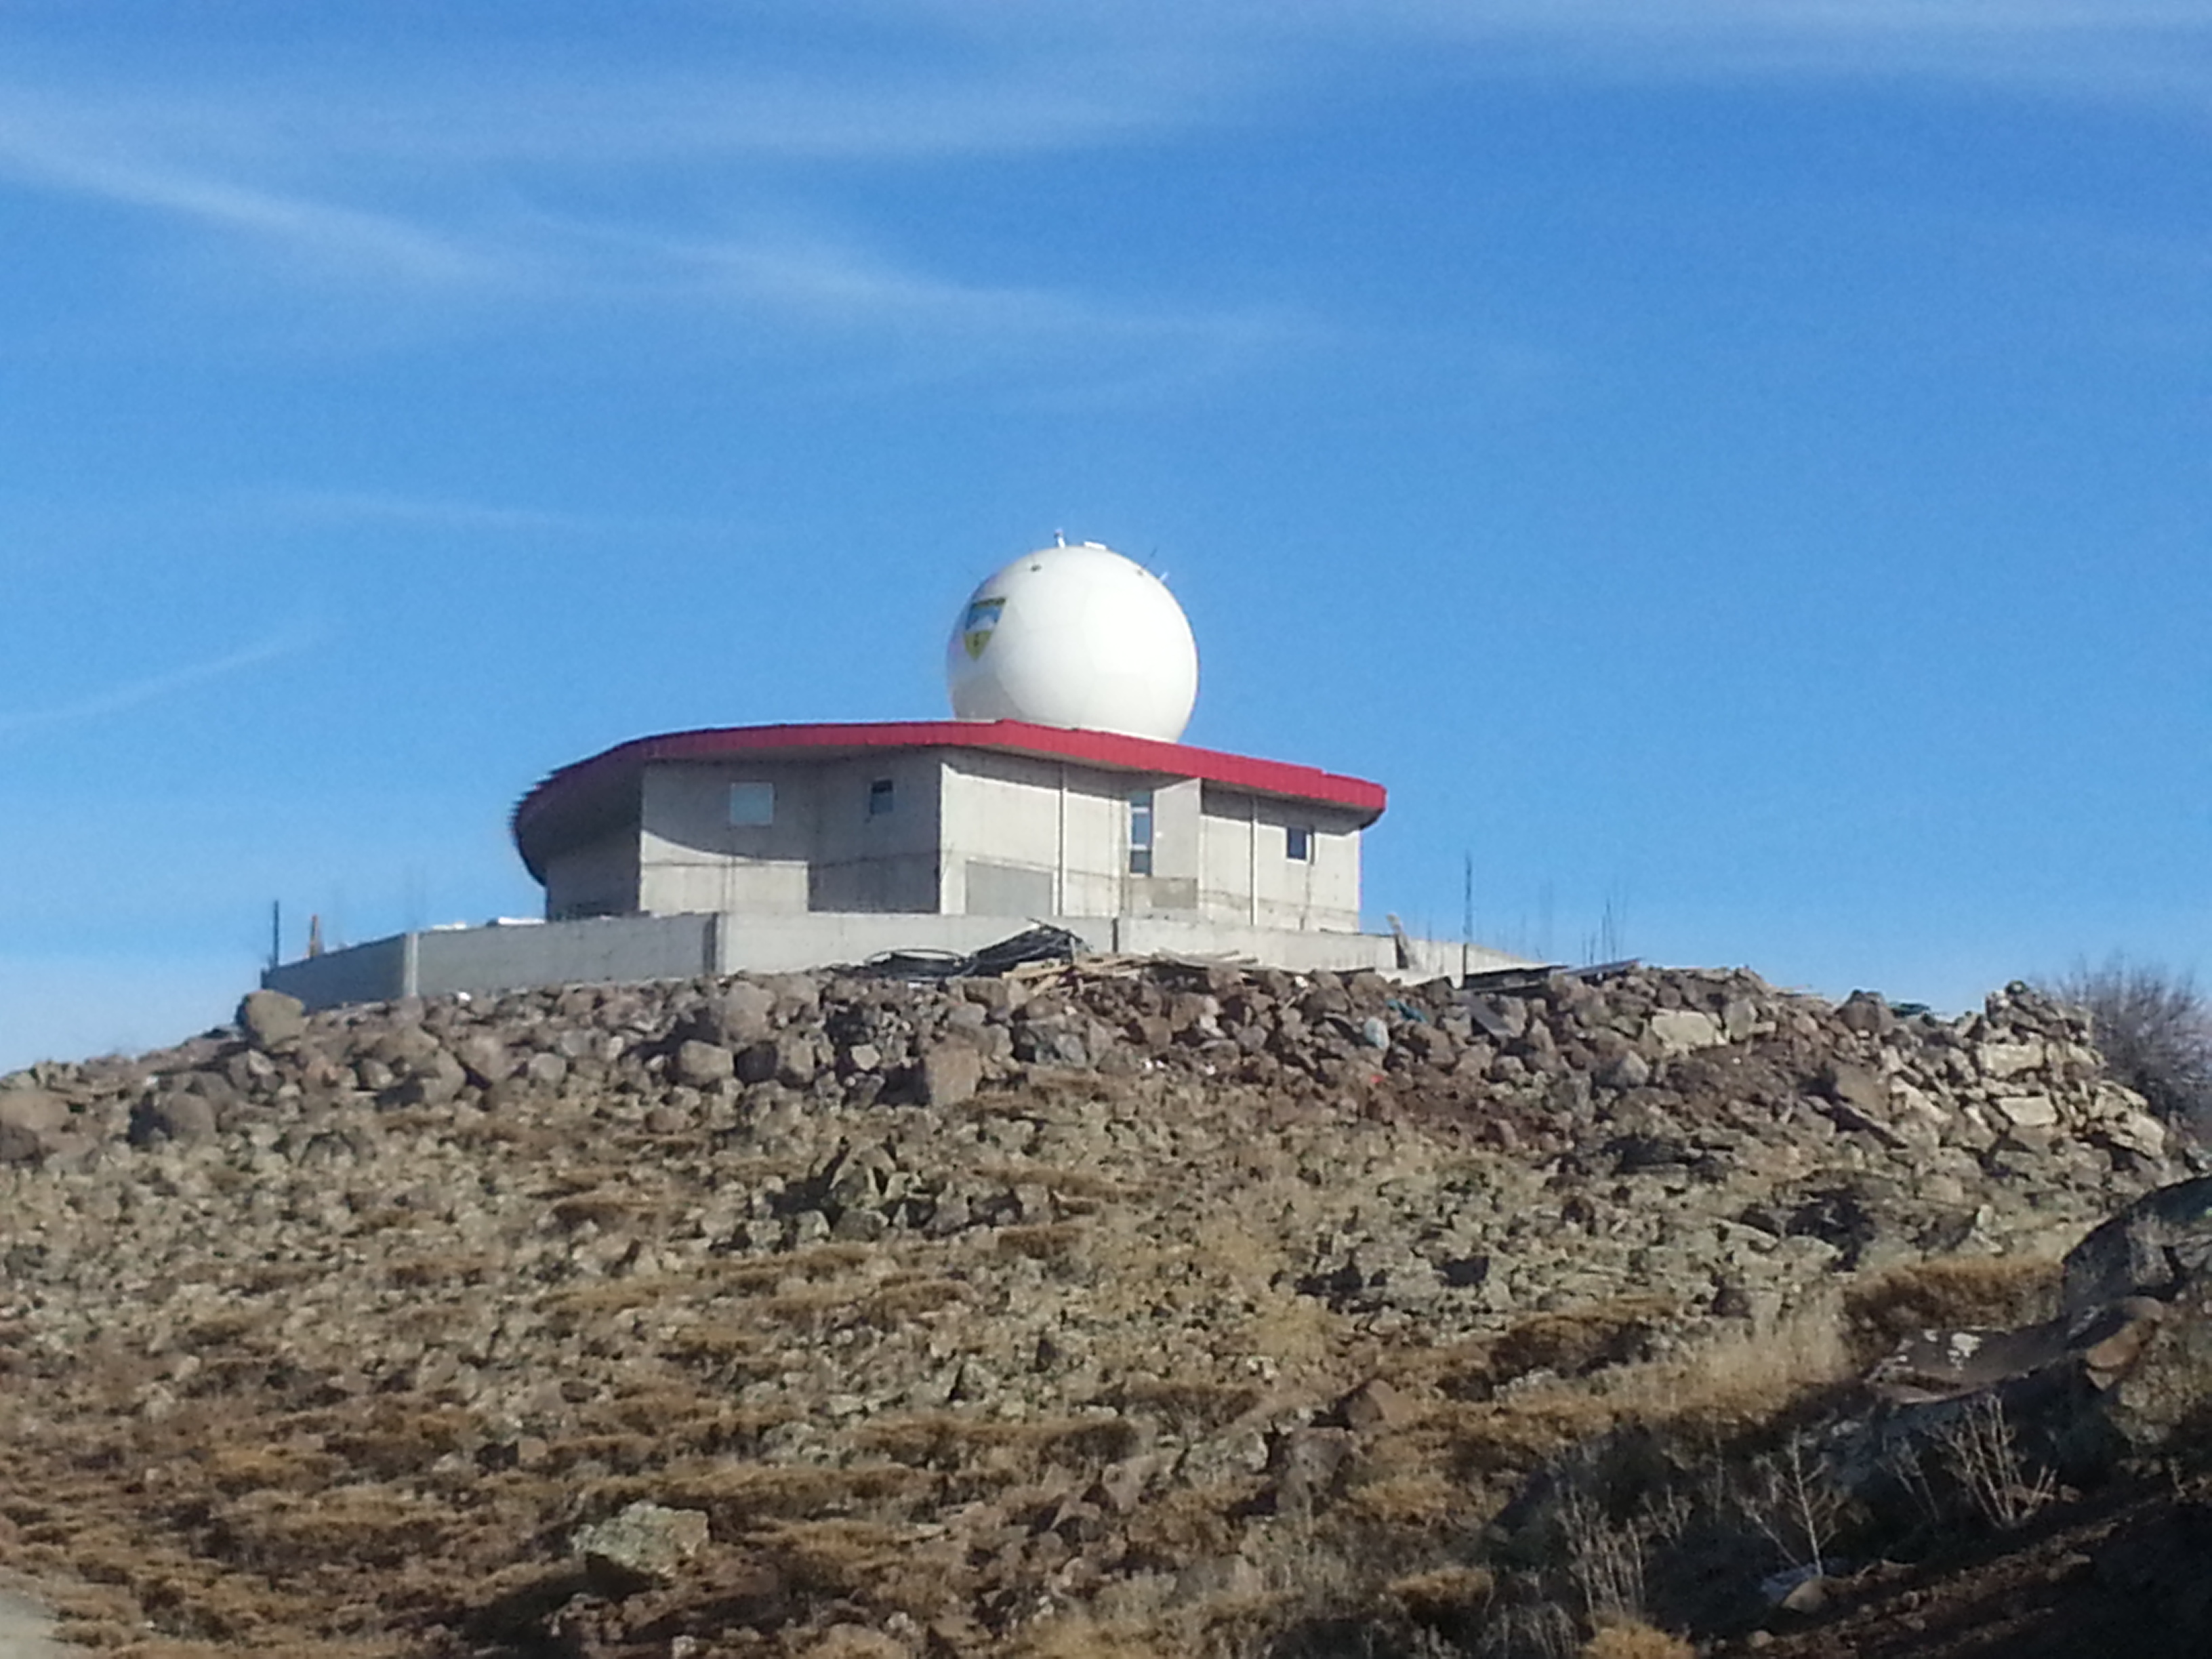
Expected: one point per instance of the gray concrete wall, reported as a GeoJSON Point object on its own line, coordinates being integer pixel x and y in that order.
{"type": "Point", "coordinates": [486, 960]}
{"type": "Point", "coordinates": [1248, 876]}
{"type": "Point", "coordinates": [1066, 821]}
{"type": "Point", "coordinates": [598, 878]}
{"type": "Point", "coordinates": [375, 972]}
{"type": "Point", "coordinates": [823, 850]}
{"type": "Point", "coordinates": [692, 858]}
{"type": "Point", "coordinates": [482, 960]}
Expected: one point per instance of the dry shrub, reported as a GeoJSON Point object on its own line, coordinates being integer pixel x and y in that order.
{"type": "Point", "coordinates": [1576, 1341]}
{"type": "Point", "coordinates": [2154, 1030]}
{"type": "Point", "coordinates": [1948, 1293]}
{"type": "Point", "coordinates": [1985, 1460]}
{"type": "Point", "coordinates": [1633, 1639]}
{"type": "Point", "coordinates": [1444, 1592]}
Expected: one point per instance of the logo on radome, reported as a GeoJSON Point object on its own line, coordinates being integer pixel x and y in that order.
{"type": "Point", "coordinates": [981, 622]}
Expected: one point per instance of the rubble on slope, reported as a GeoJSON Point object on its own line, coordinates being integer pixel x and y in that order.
{"type": "Point", "coordinates": [1049, 1288]}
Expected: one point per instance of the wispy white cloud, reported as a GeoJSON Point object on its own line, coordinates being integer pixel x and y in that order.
{"type": "Point", "coordinates": [67, 156]}
{"type": "Point", "coordinates": [665, 176]}
{"type": "Point", "coordinates": [124, 695]}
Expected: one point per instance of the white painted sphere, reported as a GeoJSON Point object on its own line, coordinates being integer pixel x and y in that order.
{"type": "Point", "coordinates": [1076, 637]}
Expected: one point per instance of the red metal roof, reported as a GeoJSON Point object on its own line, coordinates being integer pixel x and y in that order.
{"type": "Point", "coordinates": [593, 794]}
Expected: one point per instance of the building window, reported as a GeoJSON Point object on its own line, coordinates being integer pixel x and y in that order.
{"type": "Point", "coordinates": [752, 804]}
{"type": "Point", "coordinates": [881, 794]}
{"type": "Point", "coordinates": [1140, 832]}
{"type": "Point", "coordinates": [1297, 844]}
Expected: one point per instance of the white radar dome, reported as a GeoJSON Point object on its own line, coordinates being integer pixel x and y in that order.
{"type": "Point", "coordinates": [1076, 637]}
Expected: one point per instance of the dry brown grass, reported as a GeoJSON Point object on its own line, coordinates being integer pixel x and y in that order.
{"type": "Point", "coordinates": [428, 1271]}
{"type": "Point", "coordinates": [1948, 1292]}
{"type": "Point", "coordinates": [1413, 1502]}
{"type": "Point", "coordinates": [949, 1441]}
{"type": "Point", "coordinates": [738, 1498]}
{"type": "Point", "coordinates": [285, 1534]}
{"type": "Point", "coordinates": [1725, 1386]}
{"type": "Point", "coordinates": [1187, 1403]}
{"type": "Point", "coordinates": [1443, 1592]}
{"type": "Point", "coordinates": [252, 1467]}
{"type": "Point", "coordinates": [1576, 1341]}
{"type": "Point", "coordinates": [1050, 1241]}
{"type": "Point", "coordinates": [1080, 1636]}
{"type": "Point", "coordinates": [600, 1206]}
{"type": "Point", "coordinates": [1633, 1639]}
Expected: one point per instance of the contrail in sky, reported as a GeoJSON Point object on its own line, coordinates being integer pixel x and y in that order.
{"type": "Point", "coordinates": [135, 693]}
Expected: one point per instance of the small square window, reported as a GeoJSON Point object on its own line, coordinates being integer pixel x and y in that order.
{"type": "Point", "coordinates": [752, 804]}
{"type": "Point", "coordinates": [1297, 844]}
{"type": "Point", "coordinates": [881, 794]}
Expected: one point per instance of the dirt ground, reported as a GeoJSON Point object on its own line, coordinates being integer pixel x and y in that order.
{"type": "Point", "coordinates": [2128, 1574]}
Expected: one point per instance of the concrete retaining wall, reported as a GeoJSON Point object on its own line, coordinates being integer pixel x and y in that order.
{"type": "Point", "coordinates": [485, 961]}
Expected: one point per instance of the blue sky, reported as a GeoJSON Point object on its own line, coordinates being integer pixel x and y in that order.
{"type": "Point", "coordinates": [1742, 469]}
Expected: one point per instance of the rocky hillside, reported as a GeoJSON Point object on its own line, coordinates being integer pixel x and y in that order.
{"type": "Point", "coordinates": [1107, 1309]}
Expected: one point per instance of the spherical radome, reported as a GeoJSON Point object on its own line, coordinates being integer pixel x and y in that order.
{"type": "Point", "coordinates": [1076, 637]}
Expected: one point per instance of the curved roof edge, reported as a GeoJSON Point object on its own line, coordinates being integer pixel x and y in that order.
{"type": "Point", "coordinates": [599, 788]}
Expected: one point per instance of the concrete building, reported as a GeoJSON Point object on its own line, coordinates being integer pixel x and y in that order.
{"type": "Point", "coordinates": [1063, 793]}
{"type": "Point", "coordinates": [945, 817]}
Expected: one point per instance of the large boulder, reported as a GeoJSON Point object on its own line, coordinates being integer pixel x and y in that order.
{"type": "Point", "coordinates": [271, 1019]}
{"type": "Point", "coordinates": [2154, 1247]}
{"type": "Point", "coordinates": [31, 1120]}
{"type": "Point", "coordinates": [643, 1544]}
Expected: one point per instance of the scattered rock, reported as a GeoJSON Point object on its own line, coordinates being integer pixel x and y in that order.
{"type": "Point", "coordinates": [704, 1065]}
{"type": "Point", "coordinates": [643, 1545]}
{"type": "Point", "coordinates": [950, 1073]}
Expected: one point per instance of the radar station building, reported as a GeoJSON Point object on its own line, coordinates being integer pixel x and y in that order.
{"type": "Point", "coordinates": [999, 818]}
{"type": "Point", "coordinates": [1061, 792]}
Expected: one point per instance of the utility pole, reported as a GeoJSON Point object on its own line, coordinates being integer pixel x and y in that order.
{"type": "Point", "coordinates": [1467, 912]}
{"type": "Point", "coordinates": [276, 932]}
